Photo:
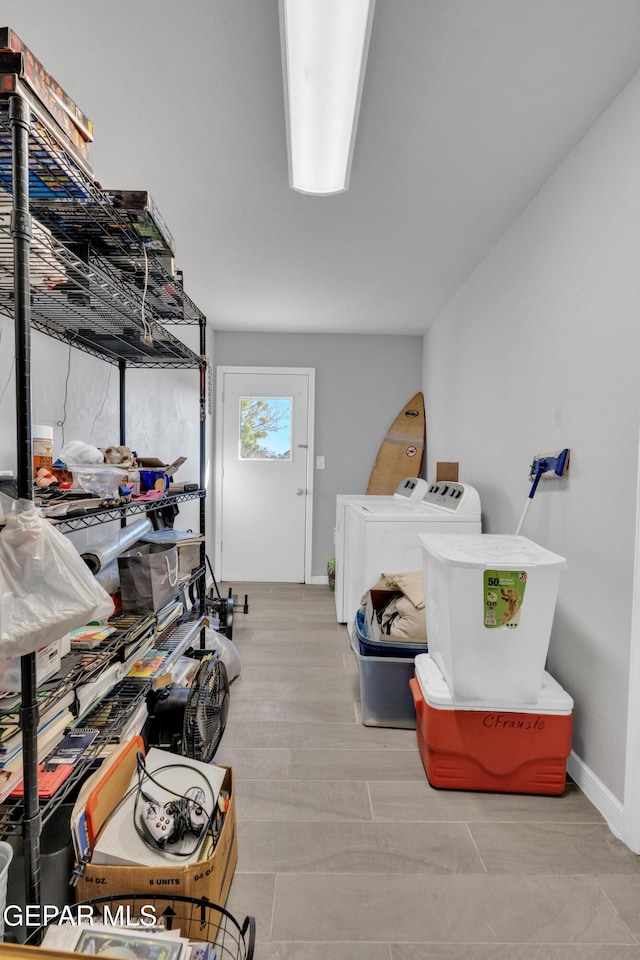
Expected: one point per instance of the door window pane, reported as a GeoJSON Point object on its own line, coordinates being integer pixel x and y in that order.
{"type": "Point", "coordinates": [265, 428]}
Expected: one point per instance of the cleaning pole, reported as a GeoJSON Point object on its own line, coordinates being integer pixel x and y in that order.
{"type": "Point", "coordinates": [549, 466]}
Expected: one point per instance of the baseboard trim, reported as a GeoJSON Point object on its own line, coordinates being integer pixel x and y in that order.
{"type": "Point", "coordinates": [600, 796]}
{"type": "Point", "coordinates": [319, 581]}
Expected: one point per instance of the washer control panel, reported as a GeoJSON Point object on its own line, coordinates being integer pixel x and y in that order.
{"type": "Point", "coordinates": [412, 489]}
{"type": "Point", "coordinates": [445, 494]}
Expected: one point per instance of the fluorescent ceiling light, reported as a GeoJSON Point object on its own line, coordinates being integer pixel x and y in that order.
{"type": "Point", "coordinates": [324, 54]}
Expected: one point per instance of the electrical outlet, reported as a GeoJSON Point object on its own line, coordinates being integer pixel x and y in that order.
{"type": "Point", "coordinates": [550, 465]}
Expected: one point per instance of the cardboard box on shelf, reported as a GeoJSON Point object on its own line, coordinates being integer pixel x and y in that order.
{"type": "Point", "coordinates": [209, 878]}
{"type": "Point", "coordinates": [153, 463]}
{"type": "Point", "coordinates": [156, 475]}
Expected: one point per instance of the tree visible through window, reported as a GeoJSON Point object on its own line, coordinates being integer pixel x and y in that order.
{"type": "Point", "coordinates": [265, 428]}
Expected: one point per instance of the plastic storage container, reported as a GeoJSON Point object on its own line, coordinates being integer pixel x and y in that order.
{"type": "Point", "coordinates": [490, 601]}
{"type": "Point", "coordinates": [387, 645]}
{"type": "Point", "coordinates": [153, 479]}
{"type": "Point", "coordinates": [498, 747]}
{"type": "Point", "coordinates": [100, 479]}
{"type": "Point", "coordinates": [385, 696]}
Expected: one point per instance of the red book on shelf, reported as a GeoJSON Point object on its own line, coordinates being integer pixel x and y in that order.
{"type": "Point", "coordinates": [48, 780]}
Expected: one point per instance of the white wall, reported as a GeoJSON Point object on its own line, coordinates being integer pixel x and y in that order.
{"type": "Point", "coordinates": [361, 383]}
{"type": "Point", "coordinates": [538, 351]}
{"type": "Point", "coordinates": [162, 407]}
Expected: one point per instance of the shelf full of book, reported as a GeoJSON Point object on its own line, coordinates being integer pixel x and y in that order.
{"type": "Point", "coordinates": [102, 690]}
{"type": "Point", "coordinates": [75, 265]}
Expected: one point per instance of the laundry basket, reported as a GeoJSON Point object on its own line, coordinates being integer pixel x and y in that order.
{"type": "Point", "coordinates": [199, 920]}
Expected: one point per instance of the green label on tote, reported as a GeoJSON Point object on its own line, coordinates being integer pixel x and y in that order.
{"type": "Point", "coordinates": [503, 596]}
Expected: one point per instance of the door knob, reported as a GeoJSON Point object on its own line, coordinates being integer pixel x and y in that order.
{"type": "Point", "coordinates": [299, 491]}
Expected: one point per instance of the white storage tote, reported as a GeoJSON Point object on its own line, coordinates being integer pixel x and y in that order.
{"type": "Point", "coordinates": [490, 601]}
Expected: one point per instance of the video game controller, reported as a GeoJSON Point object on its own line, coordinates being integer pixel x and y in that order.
{"type": "Point", "coordinates": [159, 823]}
{"type": "Point", "coordinates": [196, 813]}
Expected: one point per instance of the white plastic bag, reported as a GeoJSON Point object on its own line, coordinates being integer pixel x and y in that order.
{"type": "Point", "coordinates": [226, 651]}
{"type": "Point", "coordinates": [45, 587]}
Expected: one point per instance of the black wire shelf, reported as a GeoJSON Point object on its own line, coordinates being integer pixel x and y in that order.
{"type": "Point", "coordinates": [90, 278]}
{"type": "Point", "coordinates": [94, 283]}
{"type": "Point", "coordinates": [107, 514]}
{"type": "Point", "coordinates": [111, 714]}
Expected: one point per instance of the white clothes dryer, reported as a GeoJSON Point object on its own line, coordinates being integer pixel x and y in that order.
{"type": "Point", "coordinates": [411, 490]}
{"type": "Point", "coordinates": [383, 537]}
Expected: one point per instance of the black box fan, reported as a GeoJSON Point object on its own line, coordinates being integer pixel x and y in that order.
{"type": "Point", "coordinates": [191, 720]}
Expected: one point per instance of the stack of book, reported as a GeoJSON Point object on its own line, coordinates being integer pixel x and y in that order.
{"type": "Point", "coordinates": [22, 73]}
{"type": "Point", "coordinates": [144, 941]}
{"type": "Point", "coordinates": [51, 729]}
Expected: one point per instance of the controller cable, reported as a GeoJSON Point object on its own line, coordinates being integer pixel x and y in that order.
{"type": "Point", "coordinates": [78, 870]}
{"type": "Point", "coordinates": [179, 809]}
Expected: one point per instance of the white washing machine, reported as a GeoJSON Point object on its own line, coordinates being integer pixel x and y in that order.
{"type": "Point", "coordinates": [412, 489]}
{"type": "Point", "coordinates": [382, 537]}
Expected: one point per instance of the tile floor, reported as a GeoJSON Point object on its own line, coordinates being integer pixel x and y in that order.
{"type": "Point", "coordinates": [347, 853]}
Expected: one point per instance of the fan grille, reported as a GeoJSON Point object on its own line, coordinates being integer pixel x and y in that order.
{"type": "Point", "coordinates": [206, 711]}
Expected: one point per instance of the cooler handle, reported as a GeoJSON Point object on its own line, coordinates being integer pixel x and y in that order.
{"type": "Point", "coordinates": [416, 692]}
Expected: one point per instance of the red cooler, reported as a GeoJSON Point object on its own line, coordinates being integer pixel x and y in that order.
{"type": "Point", "coordinates": [485, 745]}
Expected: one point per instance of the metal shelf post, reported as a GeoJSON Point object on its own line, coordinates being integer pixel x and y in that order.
{"type": "Point", "coordinates": [19, 121]}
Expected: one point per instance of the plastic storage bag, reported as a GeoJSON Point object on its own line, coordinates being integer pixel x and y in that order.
{"type": "Point", "coordinates": [45, 587]}
{"type": "Point", "coordinates": [226, 651]}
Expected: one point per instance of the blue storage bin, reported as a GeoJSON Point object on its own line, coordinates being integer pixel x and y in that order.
{"type": "Point", "coordinates": [389, 647]}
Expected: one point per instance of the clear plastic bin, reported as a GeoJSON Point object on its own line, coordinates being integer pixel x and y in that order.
{"type": "Point", "coordinates": [385, 695]}
{"type": "Point", "coordinates": [100, 479]}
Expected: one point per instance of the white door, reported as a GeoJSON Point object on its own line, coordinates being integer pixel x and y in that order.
{"type": "Point", "coordinates": [264, 459]}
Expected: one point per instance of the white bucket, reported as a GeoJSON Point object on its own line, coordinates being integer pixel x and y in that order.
{"type": "Point", "coordinates": [6, 853]}
{"type": "Point", "coordinates": [490, 601]}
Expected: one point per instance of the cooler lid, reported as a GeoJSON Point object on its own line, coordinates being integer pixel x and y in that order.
{"type": "Point", "coordinates": [492, 550]}
{"type": "Point", "coordinates": [553, 698]}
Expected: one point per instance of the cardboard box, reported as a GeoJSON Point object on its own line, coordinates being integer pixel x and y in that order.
{"type": "Point", "coordinates": [210, 878]}
{"type": "Point", "coordinates": [153, 463]}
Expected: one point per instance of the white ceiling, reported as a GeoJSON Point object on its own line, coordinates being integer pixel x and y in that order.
{"type": "Point", "coordinates": [468, 107]}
